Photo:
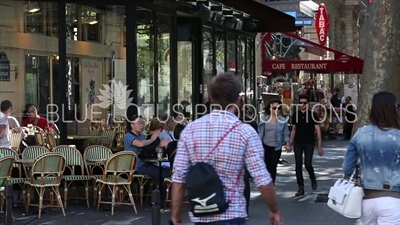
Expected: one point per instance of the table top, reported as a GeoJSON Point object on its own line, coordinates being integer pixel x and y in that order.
{"type": "Point", "coordinates": [97, 160]}
{"type": "Point", "coordinates": [83, 137]}
{"type": "Point", "coordinates": [157, 160]}
{"type": "Point", "coordinates": [25, 161]}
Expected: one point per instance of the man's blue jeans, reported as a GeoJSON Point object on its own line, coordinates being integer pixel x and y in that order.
{"type": "Point", "coordinates": [237, 221]}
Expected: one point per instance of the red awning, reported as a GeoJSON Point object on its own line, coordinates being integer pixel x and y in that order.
{"type": "Point", "coordinates": [341, 62]}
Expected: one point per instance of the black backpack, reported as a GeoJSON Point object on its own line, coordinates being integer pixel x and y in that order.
{"type": "Point", "coordinates": [205, 189]}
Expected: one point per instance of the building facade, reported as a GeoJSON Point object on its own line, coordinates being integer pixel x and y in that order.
{"type": "Point", "coordinates": [58, 55]}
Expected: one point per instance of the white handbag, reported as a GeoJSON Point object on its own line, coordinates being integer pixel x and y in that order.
{"type": "Point", "coordinates": [345, 197]}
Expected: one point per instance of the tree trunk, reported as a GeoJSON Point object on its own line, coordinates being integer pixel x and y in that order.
{"type": "Point", "coordinates": [382, 61]}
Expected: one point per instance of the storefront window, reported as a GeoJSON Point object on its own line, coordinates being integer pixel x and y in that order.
{"type": "Point", "coordinates": [145, 57]}
{"type": "Point", "coordinates": [163, 40]}
{"type": "Point", "coordinates": [185, 75]}
{"type": "Point", "coordinates": [39, 18]}
{"type": "Point", "coordinates": [220, 51]}
{"type": "Point", "coordinates": [241, 63]}
{"type": "Point", "coordinates": [90, 25]}
{"type": "Point", "coordinates": [72, 22]}
{"type": "Point", "coordinates": [249, 73]}
{"type": "Point", "coordinates": [37, 83]}
{"type": "Point", "coordinates": [231, 53]}
{"type": "Point", "coordinates": [208, 59]}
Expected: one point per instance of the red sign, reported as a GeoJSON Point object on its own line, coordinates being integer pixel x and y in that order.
{"type": "Point", "coordinates": [322, 24]}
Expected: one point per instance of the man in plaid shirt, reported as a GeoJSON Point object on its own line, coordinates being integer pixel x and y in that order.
{"type": "Point", "coordinates": [241, 148]}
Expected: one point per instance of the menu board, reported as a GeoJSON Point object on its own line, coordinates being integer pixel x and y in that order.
{"type": "Point", "coordinates": [4, 67]}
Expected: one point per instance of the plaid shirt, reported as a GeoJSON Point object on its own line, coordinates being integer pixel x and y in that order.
{"type": "Point", "coordinates": [240, 148]}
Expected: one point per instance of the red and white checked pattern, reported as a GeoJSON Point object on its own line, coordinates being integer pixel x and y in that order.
{"type": "Point", "coordinates": [241, 148]}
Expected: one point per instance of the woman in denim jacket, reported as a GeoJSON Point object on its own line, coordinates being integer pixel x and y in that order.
{"type": "Point", "coordinates": [274, 132]}
{"type": "Point", "coordinates": [378, 148]}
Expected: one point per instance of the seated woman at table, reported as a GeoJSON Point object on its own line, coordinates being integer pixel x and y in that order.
{"type": "Point", "coordinates": [135, 141]}
{"type": "Point", "coordinates": [36, 120]}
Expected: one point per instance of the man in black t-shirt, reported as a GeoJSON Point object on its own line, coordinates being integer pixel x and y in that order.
{"type": "Point", "coordinates": [305, 123]}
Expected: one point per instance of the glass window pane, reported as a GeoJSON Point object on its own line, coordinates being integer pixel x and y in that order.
{"type": "Point", "coordinates": [185, 73]}
{"type": "Point", "coordinates": [231, 45]}
{"type": "Point", "coordinates": [248, 66]}
{"type": "Point", "coordinates": [37, 89]}
{"type": "Point", "coordinates": [145, 57]}
{"type": "Point", "coordinates": [208, 60]}
{"type": "Point", "coordinates": [241, 67]}
{"type": "Point", "coordinates": [220, 51]}
{"type": "Point", "coordinates": [163, 39]}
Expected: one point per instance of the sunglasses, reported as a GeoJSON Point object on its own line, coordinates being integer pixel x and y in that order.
{"type": "Point", "coordinates": [303, 103]}
{"type": "Point", "coordinates": [274, 108]}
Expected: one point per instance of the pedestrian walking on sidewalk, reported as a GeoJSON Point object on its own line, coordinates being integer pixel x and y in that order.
{"type": "Point", "coordinates": [274, 133]}
{"type": "Point", "coordinates": [221, 145]}
{"type": "Point", "coordinates": [377, 147]}
{"type": "Point", "coordinates": [305, 123]}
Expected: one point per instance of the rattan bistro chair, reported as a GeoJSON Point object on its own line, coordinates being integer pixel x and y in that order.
{"type": "Point", "coordinates": [6, 166]}
{"type": "Point", "coordinates": [46, 173]}
{"type": "Point", "coordinates": [95, 156]}
{"type": "Point", "coordinates": [74, 159]}
{"type": "Point", "coordinates": [118, 176]}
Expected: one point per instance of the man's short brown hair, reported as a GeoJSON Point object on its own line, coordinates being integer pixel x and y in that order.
{"type": "Point", "coordinates": [224, 89]}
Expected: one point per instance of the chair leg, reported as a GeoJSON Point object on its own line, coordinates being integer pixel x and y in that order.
{"type": "Point", "coordinates": [128, 189]}
{"type": "Point", "coordinates": [41, 196]}
{"type": "Point", "coordinates": [28, 198]}
{"type": "Point", "coordinates": [99, 189]}
{"type": "Point", "coordinates": [141, 191]}
{"type": "Point", "coordinates": [59, 200]}
{"type": "Point", "coordinates": [87, 193]}
{"type": "Point", "coordinates": [65, 194]}
{"type": "Point", "coordinates": [114, 192]}
{"type": "Point", "coordinates": [95, 194]}
{"type": "Point", "coordinates": [167, 196]}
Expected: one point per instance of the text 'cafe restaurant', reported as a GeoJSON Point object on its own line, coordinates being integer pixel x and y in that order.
{"type": "Point", "coordinates": [166, 51]}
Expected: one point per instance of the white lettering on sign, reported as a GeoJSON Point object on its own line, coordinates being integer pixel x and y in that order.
{"type": "Point", "coordinates": [308, 66]}
{"type": "Point", "coordinates": [278, 66]}
{"type": "Point", "coordinates": [322, 24]}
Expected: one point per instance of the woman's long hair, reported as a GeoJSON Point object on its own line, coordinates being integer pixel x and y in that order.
{"type": "Point", "coordinates": [384, 113]}
{"type": "Point", "coordinates": [267, 108]}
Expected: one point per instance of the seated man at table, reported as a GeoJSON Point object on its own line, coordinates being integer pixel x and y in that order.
{"type": "Point", "coordinates": [135, 141]}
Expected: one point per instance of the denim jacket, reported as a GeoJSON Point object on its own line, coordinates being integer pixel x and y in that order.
{"type": "Point", "coordinates": [379, 154]}
{"type": "Point", "coordinates": [282, 130]}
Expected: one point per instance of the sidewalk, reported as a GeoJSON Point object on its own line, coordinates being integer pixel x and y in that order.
{"type": "Point", "coordinates": [295, 210]}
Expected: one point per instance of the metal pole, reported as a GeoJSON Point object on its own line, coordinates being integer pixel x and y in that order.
{"type": "Point", "coordinates": [155, 213]}
{"type": "Point", "coordinates": [8, 218]}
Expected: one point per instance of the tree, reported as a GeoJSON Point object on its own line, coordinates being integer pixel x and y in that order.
{"type": "Point", "coordinates": [382, 56]}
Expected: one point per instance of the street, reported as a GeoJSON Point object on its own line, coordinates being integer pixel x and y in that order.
{"type": "Point", "coordinates": [295, 210]}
